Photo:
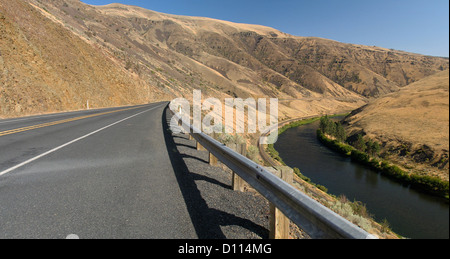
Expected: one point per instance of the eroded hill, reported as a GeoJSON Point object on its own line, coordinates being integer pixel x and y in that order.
{"type": "Point", "coordinates": [45, 68]}
{"type": "Point", "coordinates": [412, 124]}
{"type": "Point", "coordinates": [126, 54]}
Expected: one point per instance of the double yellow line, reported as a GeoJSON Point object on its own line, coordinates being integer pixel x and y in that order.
{"type": "Point", "coordinates": [14, 131]}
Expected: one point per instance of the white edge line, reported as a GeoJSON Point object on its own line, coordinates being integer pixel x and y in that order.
{"type": "Point", "coordinates": [71, 142]}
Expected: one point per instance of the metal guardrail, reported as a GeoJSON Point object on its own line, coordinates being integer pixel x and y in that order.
{"type": "Point", "coordinates": [315, 219]}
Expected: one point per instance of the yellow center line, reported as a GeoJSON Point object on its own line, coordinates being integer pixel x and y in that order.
{"type": "Point", "coordinates": [43, 125]}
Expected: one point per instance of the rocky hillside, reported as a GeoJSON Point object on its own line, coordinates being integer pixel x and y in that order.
{"type": "Point", "coordinates": [140, 55]}
{"type": "Point", "coordinates": [44, 68]}
{"type": "Point", "coordinates": [412, 124]}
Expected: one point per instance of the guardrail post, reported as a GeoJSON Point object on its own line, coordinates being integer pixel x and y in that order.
{"type": "Point", "coordinates": [315, 219]}
{"type": "Point", "coordinates": [279, 223]}
{"type": "Point", "coordinates": [238, 183]}
{"type": "Point", "coordinates": [200, 147]}
{"type": "Point", "coordinates": [213, 161]}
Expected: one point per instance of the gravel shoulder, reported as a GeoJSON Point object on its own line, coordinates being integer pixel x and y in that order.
{"type": "Point", "coordinates": [217, 212]}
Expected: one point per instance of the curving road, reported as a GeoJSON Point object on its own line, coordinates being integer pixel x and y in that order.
{"type": "Point", "coordinates": [90, 174]}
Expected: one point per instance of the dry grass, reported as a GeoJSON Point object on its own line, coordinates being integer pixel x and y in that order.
{"type": "Point", "coordinates": [67, 52]}
{"type": "Point", "coordinates": [45, 68]}
{"type": "Point", "coordinates": [170, 55]}
{"type": "Point", "coordinates": [413, 124]}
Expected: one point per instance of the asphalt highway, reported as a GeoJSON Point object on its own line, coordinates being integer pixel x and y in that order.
{"type": "Point", "coordinates": [95, 174]}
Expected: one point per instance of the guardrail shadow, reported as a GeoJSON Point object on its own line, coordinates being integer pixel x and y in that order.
{"type": "Point", "coordinates": [207, 221]}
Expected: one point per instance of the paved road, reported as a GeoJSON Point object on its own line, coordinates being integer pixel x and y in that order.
{"type": "Point", "coordinates": [94, 174]}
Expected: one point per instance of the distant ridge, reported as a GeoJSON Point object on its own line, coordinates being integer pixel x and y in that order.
{"type": "Point", "coordinates": [161, 56]}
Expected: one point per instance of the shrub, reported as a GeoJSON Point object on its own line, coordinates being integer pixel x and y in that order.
{"type": "Point", "coordinates": [373, 148]}
{"type": "Point", "coordinates": [360, 209]}
{"type": "Point", "coordinates": [385, 226]}
{"type": "Point", "coordinates": [361, 152]}
{"type": "Point", "coordinates": [430, 183]}
{"type": "Point", "coordinates": [345, 209]}
{"type": "Point", "coordinates": [333, 144]}
{"type": "Point", "coordinates": [252, 152]}
{"type": "Point", "coordinates": [299, 174]}
{"type": "Point", "coordinates": [360, 143]}
{"type": "Point", "coordinates": [360, 157]}
{"type": "Point", "coordinates": [274, 154]}
{"type": "Point", "coordinates": [343, 148]}
{"type": "Point", "coordinates": [395, 172]}
{"type": "Point", "coordinates": [375, 164]}
{"type": "Point", "coordinates": [335, 129]}
{"type": "Point", "coordinates": [225, 138]}
{"type": "Point", "coordinates": [322, 188]}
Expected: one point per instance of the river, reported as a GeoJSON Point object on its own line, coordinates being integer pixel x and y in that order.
{"type": "Point", "coordinates": [410, 213]}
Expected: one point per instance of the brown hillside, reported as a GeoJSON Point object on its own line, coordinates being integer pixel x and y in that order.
{"type": "Point", "coordinates": [125, 54]}
{"type": "Point", "coordinates": [46, 68]}
{"type": "Point", "coordinates": [180, 53]}
{"type": "Point", "coordinates": [413, 123]}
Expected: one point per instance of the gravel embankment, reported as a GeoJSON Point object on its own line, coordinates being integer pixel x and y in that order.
{"type": "Point", "coordinates": [217, 211]}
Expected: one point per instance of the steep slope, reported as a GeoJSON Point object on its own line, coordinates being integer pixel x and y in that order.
{"type": "Point", "coordinates": [283, 60]}
{"type": "Point", "coordinates": [370, 71]}
{"type": "Point", "coordinates": [180, 53]}
{"type": "Point", "coordinates": [171, 55]}
{"type": "Point", "coordinates": [413, 123]}
{"type": "Point", "coordinates": [46, 68]}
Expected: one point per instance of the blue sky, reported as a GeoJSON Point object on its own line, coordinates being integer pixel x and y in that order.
{"type": "Point", "coordinates": [419, 26]}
